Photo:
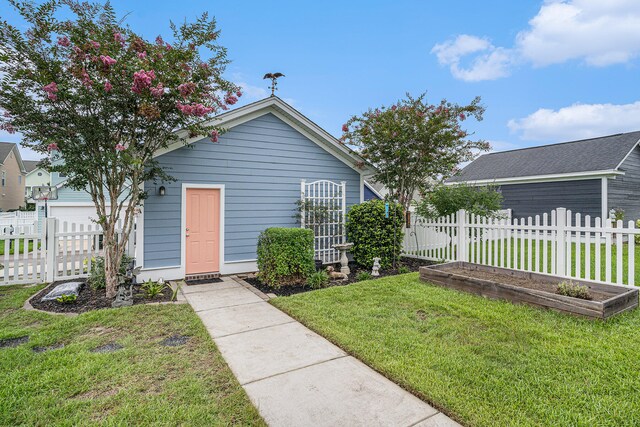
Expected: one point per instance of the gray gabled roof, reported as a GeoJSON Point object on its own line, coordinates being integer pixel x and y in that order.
{"type": "Point", "coordinates": [587, 155]}
{"type": "Point", "coordinates": [6, 148]}
{"type": "Point", "coordinates": [30, 165]}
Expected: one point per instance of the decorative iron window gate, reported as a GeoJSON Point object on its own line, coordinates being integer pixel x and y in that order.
{"type": "Point", "coordinates": [323, 210]}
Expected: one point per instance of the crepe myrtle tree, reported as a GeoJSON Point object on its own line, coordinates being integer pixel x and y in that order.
{"type": "Point", "coordinates": [79, 83]}
{"type": "Point", "coordinates": [413, 142]}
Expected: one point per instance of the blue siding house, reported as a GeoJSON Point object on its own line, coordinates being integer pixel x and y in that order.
{"type": "Point", "coordinates": [589, 176]}
{"type": "Point", "coordinates": [253, 174]}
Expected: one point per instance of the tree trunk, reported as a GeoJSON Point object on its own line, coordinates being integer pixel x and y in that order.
{"type": "Point", "coordinates": [111, 260]}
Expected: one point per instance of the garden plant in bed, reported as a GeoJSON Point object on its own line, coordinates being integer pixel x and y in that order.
{"type": "Point", "coordinates": [92, 296]}
{"type": "Point", "coordinates": [286, 255]}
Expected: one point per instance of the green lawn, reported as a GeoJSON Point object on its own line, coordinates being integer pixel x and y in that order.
{"type": "Point", "coordinates": [488, 256]}
{"type": "Point", "coordinates": [518, 262]}
{"type": "Point", "coordinates": [142, 384]}
{"type": "Point", "coordinates": [20, 246]}
{"type": "Point", "coordinates": [484, 362]}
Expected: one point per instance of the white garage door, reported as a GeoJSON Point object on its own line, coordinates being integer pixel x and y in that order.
{"type": "Point", "coordinates": [74, 214]}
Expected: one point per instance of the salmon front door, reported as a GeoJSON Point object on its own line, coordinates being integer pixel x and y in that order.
{"type": "Point", "coordinates": [202, 233]}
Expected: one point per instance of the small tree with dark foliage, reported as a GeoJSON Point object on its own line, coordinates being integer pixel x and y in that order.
{"type": "Point", "coordinates": [444, 200]}
{"type": "Point", "coordinates": [106, 100]}
{"type": "Point", "coordinates": [413, 142]}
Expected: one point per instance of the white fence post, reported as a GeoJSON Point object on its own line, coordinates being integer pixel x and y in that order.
{"type": "Point", "coordinates": [51, 249]}
{"type": "Point", "coordinates": [561, 235]}
{"type": "Point", "coordinates": [462, 235]}
{"type": "Point", "coordinates": [303, 209]}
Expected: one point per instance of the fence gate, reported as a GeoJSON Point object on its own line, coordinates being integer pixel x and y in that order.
{"type": "Point", "coordinates": [323, 210]}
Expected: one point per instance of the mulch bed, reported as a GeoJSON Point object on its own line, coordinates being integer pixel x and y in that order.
{"type": "Point", "coordinates": [90, 299]}
{"type": "Point", "coordinates": [413, 264]}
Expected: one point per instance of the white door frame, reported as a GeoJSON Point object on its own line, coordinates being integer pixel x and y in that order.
{"type": "Point", "coordinates": [183, 223]}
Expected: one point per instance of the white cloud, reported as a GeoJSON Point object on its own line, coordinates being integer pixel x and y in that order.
{"type": "Point", "coordinates": [252, 92]}
{"type": "Point", "coordinates": [578, 121]}
{"type": "Point", "coordinates": [490, 63]}
{"type": "Point", "coordinates": [598, 32]}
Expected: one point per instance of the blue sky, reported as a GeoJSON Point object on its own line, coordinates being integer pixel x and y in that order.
{"type": "Point", "coordinates": [547, 71]}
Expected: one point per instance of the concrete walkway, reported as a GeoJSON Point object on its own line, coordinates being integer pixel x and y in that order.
{"type": "Point", "coordinates": [294, 376]}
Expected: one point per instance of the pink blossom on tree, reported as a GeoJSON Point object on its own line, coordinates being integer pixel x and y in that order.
{"type": "Point", "coordinates": [215, 135]}
{"type": "Point", "coordinates": [107, 86]}
{"type": "Point", "coordinates": [64, 41]}
{"type": "Point", "coordinates": [142, 80]}
{"type": "Point", "coordinates": [186, 89]}
{"type": "Point", "coordinates": [157, 91]}
{"type": "Point", "coordinates": [142, 55]}
{"type": "Point", "coordinates": [230, 99]}
{"type": "Point", "coordinates": [107, 60]}
{"type": "Point", "coordinates": [118, 38]}
{"type": "Point", "coordinates": [52, 147]}
{"type": "Point", "coordinates": [51, 90]}
{"type": "Point", "coordinates": [120, 147]}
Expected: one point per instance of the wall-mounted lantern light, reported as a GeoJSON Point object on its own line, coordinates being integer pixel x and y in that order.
{"type": "Point", "coordinates": [161, 190]}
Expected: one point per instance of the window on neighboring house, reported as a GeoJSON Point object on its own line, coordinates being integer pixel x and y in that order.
{"type": "Point", "coordinates": [62, 175]}
{"type": "Point", "coordinates": [19, 179]}
{"type": "Point", "coordinates": [4, 178]}
{"type": "Point", "coordinates": [39, 173]}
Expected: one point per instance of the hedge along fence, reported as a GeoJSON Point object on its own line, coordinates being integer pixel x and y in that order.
{"type": "Point", "coordinates": [285, 256]}
{"type": "Point", "coordinates": [374, 234]}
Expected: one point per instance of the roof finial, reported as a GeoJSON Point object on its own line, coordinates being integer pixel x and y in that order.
{"type": "Point", "coordinates": [274, 81]}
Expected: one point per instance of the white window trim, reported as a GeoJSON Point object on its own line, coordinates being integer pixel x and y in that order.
{"type": "Point", "coordinates": [183, 224]}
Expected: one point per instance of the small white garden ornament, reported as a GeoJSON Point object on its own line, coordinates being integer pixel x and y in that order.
{"type": "Point", "coordinates": [376, 267]}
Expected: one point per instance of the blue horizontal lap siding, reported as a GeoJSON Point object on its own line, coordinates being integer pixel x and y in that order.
{"type": "Point", "coordinates": [261, 163]}
{"type": "Point", "coordinates": [529, 200]}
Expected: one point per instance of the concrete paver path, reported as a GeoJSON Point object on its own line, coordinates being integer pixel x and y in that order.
{"type": "Point", "coordinates": [294, 376]}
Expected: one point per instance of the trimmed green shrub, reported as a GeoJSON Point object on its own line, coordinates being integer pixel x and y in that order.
{"type": "Point", "coordinates": [285, 256]}
{"type": "Point", "coordinates": [318, 279]}
{"type": "Point", "coordinates": [374, 235]}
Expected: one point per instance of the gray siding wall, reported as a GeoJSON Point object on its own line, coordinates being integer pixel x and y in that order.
{"type": "Point", "coordinates": [537, 198]}
{"type": "Point", "coordinates": [624, 191]}
{"type": "Point", "coordinates": [261, 163]}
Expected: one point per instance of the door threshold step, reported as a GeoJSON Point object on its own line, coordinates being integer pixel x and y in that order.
{"type": "Point", "coordinates": [203, 276]}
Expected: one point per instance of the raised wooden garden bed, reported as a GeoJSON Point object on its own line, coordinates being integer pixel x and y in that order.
{"type": "Point", "coordinates": [531, 288]}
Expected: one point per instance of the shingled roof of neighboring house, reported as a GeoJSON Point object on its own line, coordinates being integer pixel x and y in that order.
{"type": "Point", "coordinates": [5, 149]}
{"type": "Point", "coordinates": [576, 157]}
{"type": "Point", "coordinates": [30, 165]}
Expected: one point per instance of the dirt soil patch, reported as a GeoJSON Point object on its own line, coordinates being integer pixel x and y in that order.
{"type": "Point", "coordinates": [413, 264]}
{"type": "Point", "coordinates": [13, 342]}
{"type": "Point", "coordinates": [91, 299]}
{"type": "Point", "coordinates": [519, 281]}
{"type": "Point", "coordinates": [174, 341]}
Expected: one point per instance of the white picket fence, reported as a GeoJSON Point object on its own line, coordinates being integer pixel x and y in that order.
{"type": "Point", "coordinates": [18, 222]}
{"type": "Point", "coordinates": [560, 243]}
{"type": "Point", "coordinates": [60, 251]}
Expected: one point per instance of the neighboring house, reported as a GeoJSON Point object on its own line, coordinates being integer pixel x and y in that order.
{"type": "Point", "coordinates": [226, 193]}
{"type": "Point", "coordinates": [36, 177]}
{"type": "Point", "coordinates": [589, 176]}
{"type": "Point", "coordinates": [12, 177]}
{"type": "Point", "coordinates": [371, 192]}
